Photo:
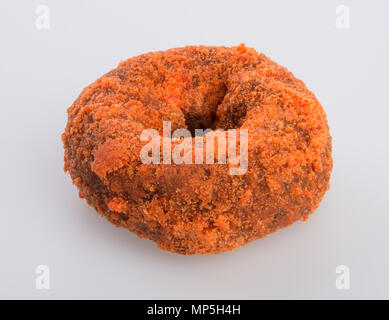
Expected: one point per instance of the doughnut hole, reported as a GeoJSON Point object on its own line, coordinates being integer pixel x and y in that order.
{"type": "Point", "coordinates": [201, 113]}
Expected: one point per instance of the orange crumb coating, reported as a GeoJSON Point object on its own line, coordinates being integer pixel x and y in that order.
{"type": "Point", "coordinates": [193, 208]}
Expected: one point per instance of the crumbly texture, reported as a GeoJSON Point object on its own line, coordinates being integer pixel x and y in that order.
{"type": "Point", "coordinates": [199, 208]}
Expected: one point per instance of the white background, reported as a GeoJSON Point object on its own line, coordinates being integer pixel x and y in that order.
{"type": "Point", "coordinates": [44, 222]}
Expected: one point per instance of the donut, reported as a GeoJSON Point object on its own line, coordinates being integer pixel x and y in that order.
{"type": "Point", "coordinates": [199, 208]}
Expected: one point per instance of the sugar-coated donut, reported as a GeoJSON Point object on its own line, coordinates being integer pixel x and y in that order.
{"type": "Point", "coordinates": [199, 208]}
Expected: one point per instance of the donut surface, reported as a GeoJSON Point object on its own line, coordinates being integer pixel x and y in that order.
{"type": "Point", "coordinates": [199, 208]}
